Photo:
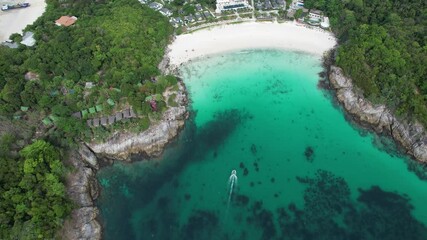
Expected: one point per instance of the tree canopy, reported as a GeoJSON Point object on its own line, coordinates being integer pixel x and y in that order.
{"type": "Point", "coordinates": [383, 48]}
{"type": "Point", "coordinates": [33, 200]}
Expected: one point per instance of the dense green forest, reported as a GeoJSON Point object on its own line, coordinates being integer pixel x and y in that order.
{"type": "Point", "coordinates": [33, 201]}
{"type": "Point", "coordinates": [115, 45]}
{"type": "Point", "coordinates": [383, 47]}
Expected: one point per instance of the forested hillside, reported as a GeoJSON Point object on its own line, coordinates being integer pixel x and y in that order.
{"type": "Point", "coordinates": [383, 47]}
{"type": "Point", "coordinates": [115, 45]}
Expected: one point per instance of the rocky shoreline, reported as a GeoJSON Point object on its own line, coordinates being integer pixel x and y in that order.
{"type": "Point", "coordinates": [411, 136]}
{"type": "Point", "coordinates": [82, 185]}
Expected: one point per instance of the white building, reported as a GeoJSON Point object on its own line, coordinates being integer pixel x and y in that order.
{"type": "Point", "coordinates": [325, 23]}
{"type": "Point", "coordinates": [223, 5]}
{"type": "Point", "coordinates": [315, 15]}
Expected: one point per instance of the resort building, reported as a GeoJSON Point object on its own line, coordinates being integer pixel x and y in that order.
{"type": "Point", "coordinates": [155, 5]}
{"type": "Point", "coordinates": [315, 15]}
{"type": "Point", "coordinates": [166, 12]}
{"type": "Point", "coordinates": [325, 23]}
{"type": "Point", "coordinates": [66, 21]}
{"type": "Point", "coordinates": [223, 5]}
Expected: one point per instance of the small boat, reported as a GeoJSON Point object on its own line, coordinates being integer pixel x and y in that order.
{"type": "Point", "coordinates": [8, 7]}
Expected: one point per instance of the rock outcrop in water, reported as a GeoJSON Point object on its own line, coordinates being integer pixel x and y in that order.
{"type": "Point", "coordinates": [83, 189]}
{"type": "Point", "coordinates": [411, 136]}
{"type": "Point", "coordinates": [150, 142]}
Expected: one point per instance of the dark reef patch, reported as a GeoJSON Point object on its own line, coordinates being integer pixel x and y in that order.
{"type": "Point", "coordinates": [241, 200]}
{"type": "Point", "coordinates": [309, 154]}
{"type": "Point", "coordinates": [200, 225]}
{"type": "Point", "coordinates": [254, 149]}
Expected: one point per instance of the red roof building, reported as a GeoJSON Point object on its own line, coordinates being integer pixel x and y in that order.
{"type": "Point", "coordinates": [66, 21]}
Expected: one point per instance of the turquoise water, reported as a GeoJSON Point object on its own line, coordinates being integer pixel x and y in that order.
{"type": "Point", "coordinates": [303, 171]}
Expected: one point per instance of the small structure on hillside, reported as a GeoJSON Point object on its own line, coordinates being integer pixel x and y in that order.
{"type": "Point", "coordinates": [111, 119]}
{"type": "Point", "coordinates": [77, 115]}
{"type": "Point", "coordinates": [119, 116]}
{"type": "Point", "coordinates": [30, 76]}
{"type": "Point", "coordinates": [66, 21]}
{"type": "Point", "coordinates": [96, 122]}
{"type": "Point", "coordinates": [89, 85]}
{"type": "Point", "coordinates": [10, 44]}
{"type": "Point", "coordinates": [126, 113]}
{"type": "Point", "coordinates": [28, 39]}
{"type": "Point", "coordinates": [104, 121]}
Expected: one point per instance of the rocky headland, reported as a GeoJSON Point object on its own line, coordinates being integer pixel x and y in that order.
{"type": "Point", "coordinates": [410, 135]}
{"type": "Point", "coordinates": [82, 185]}
{"type": "Point", "coordinates": [122, 144]}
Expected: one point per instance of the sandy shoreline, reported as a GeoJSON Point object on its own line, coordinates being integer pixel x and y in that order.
{"type": "Point", "coordinates": [253, 35]}
{"type": "Point", "coordinates": [14, 21]}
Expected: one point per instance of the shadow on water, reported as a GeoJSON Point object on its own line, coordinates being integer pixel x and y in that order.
{"type": "Point", "coordinates": [193, 144]}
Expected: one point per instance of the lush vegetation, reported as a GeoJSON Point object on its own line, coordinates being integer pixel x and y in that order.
{"type": "Point", "coordinates": [116, 45]}
{"type": "Point", "coordinates": [383, 47]}
{"type": "Point", "coordinates": [32, 196]}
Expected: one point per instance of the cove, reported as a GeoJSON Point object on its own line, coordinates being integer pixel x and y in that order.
{"type": "Point", "coordinates": [303, 171]}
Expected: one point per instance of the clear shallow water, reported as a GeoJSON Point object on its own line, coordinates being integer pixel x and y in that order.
{"type": "Point", "coordinates": [303, 171]}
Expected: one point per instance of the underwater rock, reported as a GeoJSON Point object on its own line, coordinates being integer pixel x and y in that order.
{"type": "Point", "coordinates": [253, 149]}
{"type": "Point", "coordinates": [241, 200]}
{"type": "Point", "coordinates": [309, 154]}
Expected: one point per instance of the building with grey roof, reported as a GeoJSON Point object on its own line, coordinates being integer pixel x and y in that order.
{"type": "Point", "coordinates": [126, 113]}
{"type": "Point", "coordinates": [96, 122]}
{"type": "Point", "coordinates": [111, 119]}
{"type": "Point", "coordinates": [119, 116]}
{"type": "Point", "coordinates": [104, 121]}
{"type": "Point", "coordinates": [77, 115]}
{"type": "Point", "coordinates": [132, 113]}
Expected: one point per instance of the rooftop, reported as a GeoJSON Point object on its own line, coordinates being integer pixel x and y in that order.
{"type": "Point", "coordinates": [66, 21]}
{"type": "Point", "coordinates": [28, 39]}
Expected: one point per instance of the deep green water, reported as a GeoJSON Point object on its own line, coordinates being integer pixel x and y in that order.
{"type": "Point", "coordinates": [303, 171]}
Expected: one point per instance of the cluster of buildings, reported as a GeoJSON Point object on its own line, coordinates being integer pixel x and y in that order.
{"type": "Point", "coordinates": [109, 120]}
{"type": "Point", "coordinates": [105, 120]}
{"type": "Point", "coordinates": [28, 37]}
{"type": "Point", "coordinates": [270, 4]}
{"type": "Point", "coordinates": [27, 40]}
{"type": "Point", "coordinates": [313, 17]}
{"type": "Point", "coordinates": [200, 14]}
{"type": "Point", "coordinates": [224, 5]}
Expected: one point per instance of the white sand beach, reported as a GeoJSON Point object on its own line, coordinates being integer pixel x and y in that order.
{"type": "Point", "coordinates": [252, 35]}
{"type": "Point", "coordinates": [14, 21]}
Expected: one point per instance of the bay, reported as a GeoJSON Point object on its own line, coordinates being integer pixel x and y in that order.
{"type": "Point", "coordinates": [303, 171]}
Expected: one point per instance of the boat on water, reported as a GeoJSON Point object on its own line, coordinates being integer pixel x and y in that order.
{"type": "Point", "coordinates": [8, 7]}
